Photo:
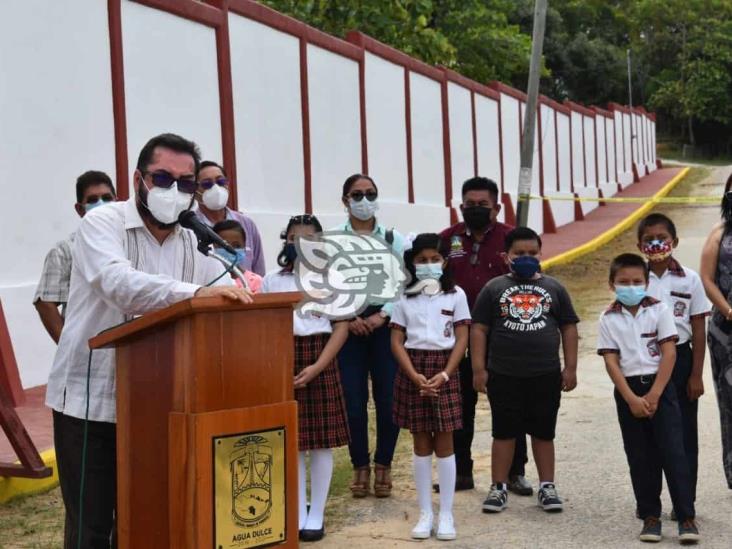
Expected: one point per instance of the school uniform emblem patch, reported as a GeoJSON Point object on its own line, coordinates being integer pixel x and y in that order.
{"type": "Point", "coordinates": [456, 244]}
{"type": "Point", "coordinates": [679, 309]}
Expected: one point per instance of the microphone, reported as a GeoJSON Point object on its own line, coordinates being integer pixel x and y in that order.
{"type": "Point", "coordinates": [204, 233]}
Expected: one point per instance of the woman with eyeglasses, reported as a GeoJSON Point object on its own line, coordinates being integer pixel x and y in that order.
{"type": "Point", "coordinates": [212, 196]}
{"type": "Point", "coordinates": [716, 275]}
{"type": "Point", "coordinates": [367, 353]}
{"type": "Point", "coordinates": [321, 411]}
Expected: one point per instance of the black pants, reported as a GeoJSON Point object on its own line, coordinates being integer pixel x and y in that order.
{"type": "Point", "coordinates": [655, 446]}
{"type": "Point", "coordinates": [463, 439]}
{"type": "Point", "coordinates": [100, 490]}
{"type": "Point", "coordinates": [689, 408]}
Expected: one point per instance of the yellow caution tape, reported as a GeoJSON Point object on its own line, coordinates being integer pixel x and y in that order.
{"type": "Point", "coordinates": [701, 200]}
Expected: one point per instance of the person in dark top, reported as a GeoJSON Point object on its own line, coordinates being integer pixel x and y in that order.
{"type": "Point", "coordinates": [522, 317]}
{"type": "Point", "coordinates": [475, 249]}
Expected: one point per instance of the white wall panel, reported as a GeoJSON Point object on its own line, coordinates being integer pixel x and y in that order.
{"type": "Point", "coordinates": [171, 80]}
{"type": "Point", "coordinates": [578, 154]}
{"type": "Point", "coordinates": [627, 138]}
{"type": "Point", "coordinates": [386, 128]}
{"type": "Point", "coordinates": [265, 72]}
{"type": "Point", "coordinates": [590, 157]}
{"type": "Point", "coordinates": [55, 123]}
{"type": "Point", "coordinates": [428, 166]}
{"type": "Point", "coordinates": [565, 157]}
{"type": "Point", "coordinates": [601, 150]}
{"type": "Point", "coordinates": [335, 127]}
{"type": "Point", "coordinates": [610, 140]}
{"type": "Point", "coordinates": [549, 149]}
{"type": "Point", "coordinates": [461, 137]}
{"type": "Point", "coordinates": [488, 138]}
{"type": "Point", "coordinates": [511, 144]}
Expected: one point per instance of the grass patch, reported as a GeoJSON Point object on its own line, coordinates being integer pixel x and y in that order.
{"type": "Point", "coordinates": [34, 522]}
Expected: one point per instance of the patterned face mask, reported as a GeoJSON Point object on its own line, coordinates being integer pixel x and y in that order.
{"type": "Point", "coordinates": [657, 250]}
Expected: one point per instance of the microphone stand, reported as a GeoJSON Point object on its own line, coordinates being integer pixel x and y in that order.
{"type": "Point", "coordinates": [229, 267]}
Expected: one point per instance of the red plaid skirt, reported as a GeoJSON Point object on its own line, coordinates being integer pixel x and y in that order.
{"type": "Point", "coordinates": [321, 410]}
{"type": "Point", "coordinates": [427, 414]}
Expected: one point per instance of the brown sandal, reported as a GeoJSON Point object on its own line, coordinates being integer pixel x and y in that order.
{"type": "Point", "coordinates": [361, 481]}
{"type": "Point", "coordinates": [382, 481]}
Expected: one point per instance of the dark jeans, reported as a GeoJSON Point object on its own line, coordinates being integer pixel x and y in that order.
{"type": "Point", "coordinates": [689, 408]}
{"type": "Point", "coordinates": [360, 357]}
{"type": "Point", "coordinates": [100, 489]}
{"type": "Point", "coordinates": [462, 439]}
{"type": "Point", "coordinates": [654, 446]}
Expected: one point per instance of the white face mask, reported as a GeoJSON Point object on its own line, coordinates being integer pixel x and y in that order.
{"type": "Point", "coordinates": [364, 209]}
{"type": "Point", "coordinates": [167, 204]}
{"type": "Point", "coordinates": [216, 197]}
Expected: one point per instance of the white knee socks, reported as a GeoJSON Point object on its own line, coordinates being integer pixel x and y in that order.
{"type": "Point", "coordinates": [302, 494]}
{"type": "Point", "coordinates": [423, 481]}
{"type": "Point", "coordinates": [321, 471]}
{"type": "Point", "coordinates": [446, 474]}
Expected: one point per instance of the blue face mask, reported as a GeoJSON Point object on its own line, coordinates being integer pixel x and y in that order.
{"type": "Point", "coordinates": [525, 266]}
{"type": "Point", "coordinates": [89, 206]}
{"type": "Point", "coordinates": [426, 271]}
{"type": "Point", "coordinates": [237, 259]}
{"type": "Point", "coordinates": [289, 252]}
{"type": "Point", "coordinates": [630, 295]}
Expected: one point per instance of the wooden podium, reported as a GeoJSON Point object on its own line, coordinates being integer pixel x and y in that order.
{"type": "Point", "coordinates": [207, 425]}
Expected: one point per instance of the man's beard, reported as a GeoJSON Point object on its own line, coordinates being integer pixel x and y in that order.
{"type": "Point", "coordinates": [145, 212]}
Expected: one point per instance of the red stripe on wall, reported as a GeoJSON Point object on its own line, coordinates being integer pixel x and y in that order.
{"type": "Point", "coordinates": [446, 144]}
{"type": "Point", "coordinates": [362, 113]}
{"type": "Point", "coordinates": [305, 102]}
{"type": "Point", "coordinates": [408, 128]}
{"type": "Point", "coordinates": [475, 134]}
{"type": "Point", "coordinates": [114, 15]}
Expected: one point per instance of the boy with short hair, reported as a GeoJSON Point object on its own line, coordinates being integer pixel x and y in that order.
{"type": "Point", "coordinates": [522, 317]}
{"type": "Point", "coordinates": [638, 343]}
{"type": "Point", "coordinates": [681, 289]}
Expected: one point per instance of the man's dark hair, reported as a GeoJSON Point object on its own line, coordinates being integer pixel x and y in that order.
{"type": "Point", "coordinates": [521, 233]}
{"type": "Point", "coordinates": [209, 163]}
{"type": "Point", "coordinates": [169, 141]}
{"type": "Point", "coordinates": [627, 260]}
{"type": "Point", "coordinates": [348, 183]}
{"type": "Point", "coordinates": [89, 179]}
{"type": "Point", "coordinates": [230, 225]}
{"type": "Point", "coordinates": [481, 184]}
{"type": "Point", "coordinates": [656, 219]}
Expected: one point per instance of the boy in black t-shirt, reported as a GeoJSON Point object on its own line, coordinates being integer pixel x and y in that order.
{"type": "Point", "coordinates": [519, 320]}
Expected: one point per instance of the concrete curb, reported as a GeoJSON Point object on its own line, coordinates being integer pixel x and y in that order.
{"type": "Point", "coordinates": [13, 487]}
{"type": "Point", "coordinates": [613, 232]}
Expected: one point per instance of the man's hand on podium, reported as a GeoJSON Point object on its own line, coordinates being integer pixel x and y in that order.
{"type": "Point", "coordinates": [229, 292]}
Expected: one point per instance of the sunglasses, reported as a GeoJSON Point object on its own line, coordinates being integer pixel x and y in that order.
{"type": "Point", "coordinates": [207, 184]}
{"type": "Point", "coordinates": [164, 180]}
{"type": "Point", "coordinates": [103, 198]}
{"type": "Point", "coordinates": [357, 196]}
{"type": "Point", "coordinates": [728, 195]}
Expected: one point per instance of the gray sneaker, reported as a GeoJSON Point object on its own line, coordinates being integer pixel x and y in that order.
{"type": "Point", "coordinates": [520, 486]}
{"type": "Point", "coordinates": [497, 499]}
{"type": "Point", "coordinates": [549, 500]}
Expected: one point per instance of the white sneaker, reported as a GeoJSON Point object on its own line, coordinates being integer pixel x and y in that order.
{"type": "Point", "coordinates": [446, 527]}
{"type": "Point", "coordinates": [423, 530]}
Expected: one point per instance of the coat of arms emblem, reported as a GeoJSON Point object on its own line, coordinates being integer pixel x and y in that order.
{"type": "Point", "coordinates": [251, 480]}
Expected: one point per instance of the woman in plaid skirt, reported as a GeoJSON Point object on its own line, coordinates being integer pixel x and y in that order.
{"type": "Point", "coordinates": [429, 338]}
{"type": "Point", "coordinates": [321, 410]}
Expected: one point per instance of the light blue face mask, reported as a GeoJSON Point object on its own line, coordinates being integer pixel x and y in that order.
{"type": "Point", "coordinates": [89, 206]}
{"type": "Point", "coordinates": [425, 271]}
{"type": "Point", "coordinates": [238, 258]}
{"type": "Point", "coordinates": [630, 295]}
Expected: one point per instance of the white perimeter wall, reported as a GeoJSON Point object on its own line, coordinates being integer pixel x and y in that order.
{"type": "Point", "coordinates": [461, 138]}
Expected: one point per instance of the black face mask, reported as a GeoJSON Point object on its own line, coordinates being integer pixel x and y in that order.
{"type": "Point", "coordinates": [477, 218]}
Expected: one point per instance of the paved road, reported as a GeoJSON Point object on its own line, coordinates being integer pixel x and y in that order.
{"type": "Point", "coordinates": [592, 473]}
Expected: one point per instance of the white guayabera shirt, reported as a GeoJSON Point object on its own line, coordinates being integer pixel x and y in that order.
{"type": "Point", "coordinates": [119, 270]}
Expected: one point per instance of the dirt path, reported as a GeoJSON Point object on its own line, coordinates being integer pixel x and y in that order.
{"type": "Point", "coordinates": [592, 471]}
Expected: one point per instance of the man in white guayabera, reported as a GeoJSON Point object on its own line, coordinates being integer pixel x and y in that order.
{"type": "Point", "coordinates": [129, 258]}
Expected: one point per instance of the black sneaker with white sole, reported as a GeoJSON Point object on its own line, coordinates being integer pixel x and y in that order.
{"type": "Point", "coordinates": [651, 531]}
{"type": "Point", "coordinates": [497, 499]}
{"type": "Point", "coordinates": [549, 500]}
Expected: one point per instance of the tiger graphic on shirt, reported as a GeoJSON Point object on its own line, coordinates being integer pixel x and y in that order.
{"type": "Point", "coordinates": [524, 307]}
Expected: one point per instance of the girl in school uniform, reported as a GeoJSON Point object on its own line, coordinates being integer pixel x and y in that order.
{"type": "Point", "coordinates": [429, 337]}
{"type": "Point", "coordinates": [321, 410]}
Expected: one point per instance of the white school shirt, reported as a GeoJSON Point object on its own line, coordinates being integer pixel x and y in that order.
{"type": "Point", "coordinates": [681, 289]}
{"type": "Point", "coordinates": [429, 320]}
{"type": "Point", "coordinates": [636, 339]}
{"type": "Point", "coordinates": [118, 270]}
{"type": "Point", "coordinates": [283, 280]}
